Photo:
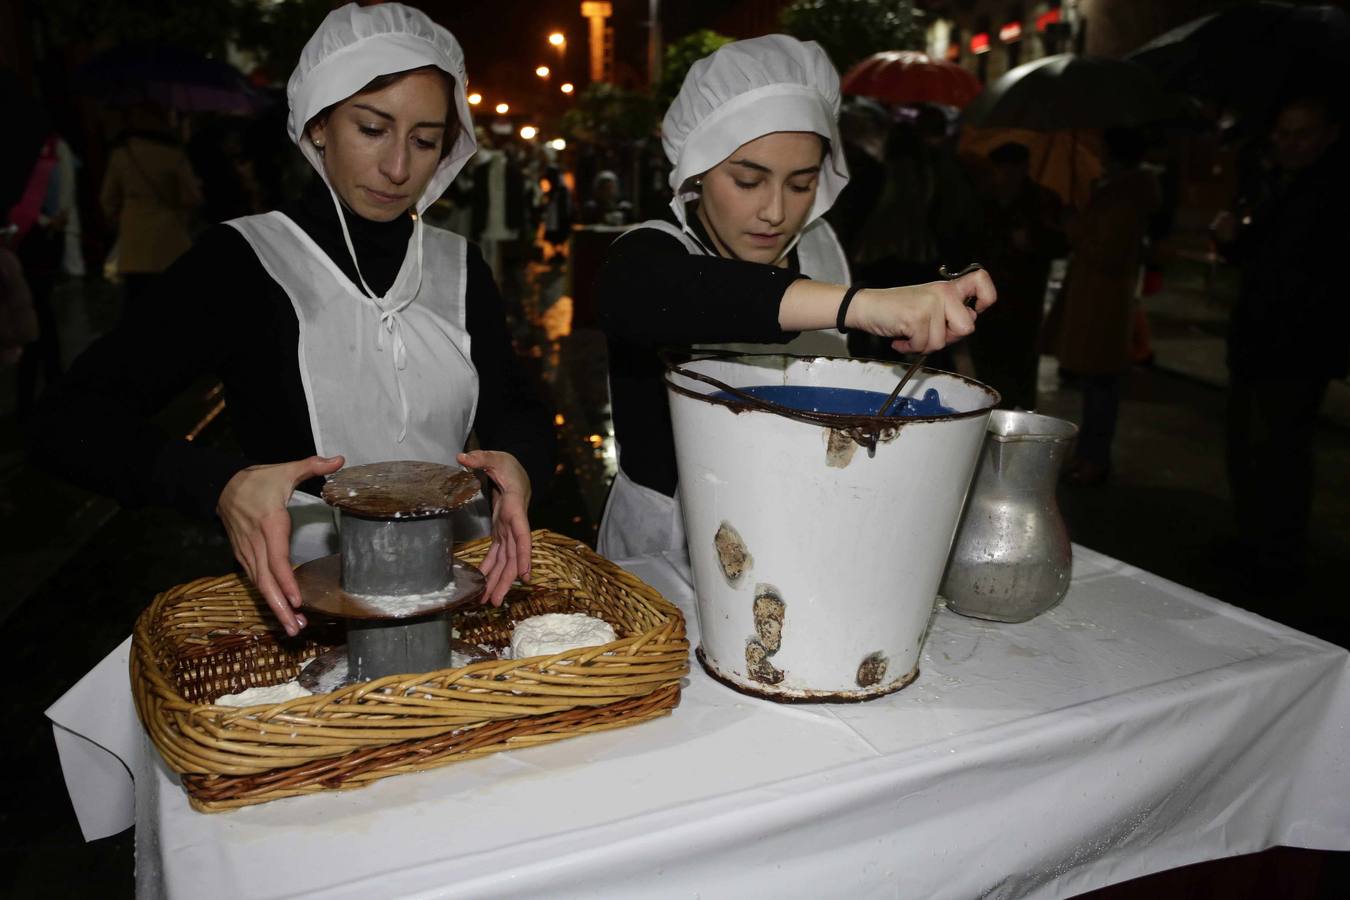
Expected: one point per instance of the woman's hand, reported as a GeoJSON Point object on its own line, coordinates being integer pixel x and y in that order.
{"type": "Point", "coordinates": [253, 508]}
{"type": "Point", "coordinates": [924, 317]}
{"type": "Point", "coordinates": [509, 556]}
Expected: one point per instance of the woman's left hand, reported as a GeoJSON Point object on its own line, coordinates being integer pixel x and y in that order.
{"type": "Point", "coordinates": [508, 558]}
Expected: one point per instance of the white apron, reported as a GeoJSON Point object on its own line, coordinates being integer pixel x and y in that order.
{"type": "Point", "coordinates": [638, 520]}
{"type": "Point", "coordinates": [385, 379]}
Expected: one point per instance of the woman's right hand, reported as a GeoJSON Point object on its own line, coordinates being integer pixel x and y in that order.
{"type": "Point", "coordinates": [923, 318]}
{"type": "Point", "coordinates": [253, 508]}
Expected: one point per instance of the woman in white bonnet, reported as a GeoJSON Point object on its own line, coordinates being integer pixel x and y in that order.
{"type": "Point", "coordinates": [344, 329]}
{"type": "Point", "coordinates": [754, 144]}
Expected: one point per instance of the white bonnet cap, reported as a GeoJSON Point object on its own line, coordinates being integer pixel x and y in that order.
{"type": "Point", "coordinates": [748, 89]}
{"type": "Point", "coordinates": [355, 45]}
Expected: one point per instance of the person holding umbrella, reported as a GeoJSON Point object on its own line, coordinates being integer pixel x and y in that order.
{"type": "Point", "coordinates": [1288, 335]}
{"type": "Point", "coordinates": [1022, 234]}
{"type": "Point", "coordinates": [37, 206]}
{"type": "Point", "coordinates": [1090, 328]}
{"type": "Point", "coordinates": [754, 146]}
{"type": "Point", "coordinates": [149, 190]}
{"type": "Point", "coordinates": [344, 329]}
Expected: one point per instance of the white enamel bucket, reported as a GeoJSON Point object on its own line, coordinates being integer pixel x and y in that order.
{"type": "Point", "coordinates": [817, 541]}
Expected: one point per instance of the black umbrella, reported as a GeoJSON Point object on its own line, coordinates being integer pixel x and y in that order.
{"type": "Point", "coordinates": [1063, 93]}
{"type": "Point", "coordinates": [1244, 57]}
{"type": "Point", "coordinates": [1074, 93]}
{"type": "Point", "coordinates": [171, 77]}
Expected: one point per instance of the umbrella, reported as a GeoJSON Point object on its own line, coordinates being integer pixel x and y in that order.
{"type": "Point", "coordinates": [1244, 56]}
{"type": "Point", "coordinates": [1060, 93]}
{"type": "Point", "coordinates": [172, 77]}
{"type": "Point", "coordinates": [906, 76]}
{"type": "Point", "coordinates": [1065, 162]}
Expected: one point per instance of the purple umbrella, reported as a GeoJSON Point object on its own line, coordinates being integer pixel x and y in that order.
{"type": "Point", "coordinates": [171, 77]}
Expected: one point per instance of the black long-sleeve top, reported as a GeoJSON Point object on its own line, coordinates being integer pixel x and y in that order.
{"type": "Point", "coordinates": [217, 311]}
{"type": "Point", "coordinates": [1292, 305]}
{"type": "Point", "coordinates": [654, 294]}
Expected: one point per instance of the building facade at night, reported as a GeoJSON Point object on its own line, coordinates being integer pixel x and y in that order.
{"type": "Point", "coordinates": [989, 37]}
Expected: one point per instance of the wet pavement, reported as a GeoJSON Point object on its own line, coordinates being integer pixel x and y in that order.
{"type": "Point", "coordinates": [78, 569]}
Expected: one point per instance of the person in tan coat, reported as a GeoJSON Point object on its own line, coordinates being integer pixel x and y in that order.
{"type": "Point", "coordinates": [149, 191]}
{"type": "Point", "coordinates": [1090, 331]}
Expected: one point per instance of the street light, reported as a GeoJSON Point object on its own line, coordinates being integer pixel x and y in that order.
{"type": "Point", "coordinates": [558, 144]}
{"type": "Point", "coordinates": [475, 98]}
{"type": "Point", "coordinates": [567, 88]}
{"type": "Point", "coordinates": [528, 132]}
{"type": "Point", "coordinates": [557, 39]}
{"type": "Point", "coordinates": [542, 71]}
{"type": "Point", "coordinates": [503, 108]}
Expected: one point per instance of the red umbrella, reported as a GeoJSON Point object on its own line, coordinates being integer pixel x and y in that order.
{"type": "Point", "coordinates": [906, 76]}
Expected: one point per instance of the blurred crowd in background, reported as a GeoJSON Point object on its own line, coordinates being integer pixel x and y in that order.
{"type": "Point", "coordinates": [1076, 180]}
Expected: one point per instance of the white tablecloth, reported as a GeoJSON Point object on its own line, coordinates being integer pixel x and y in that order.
{"type": "Point", "coordinates": [1137, 727]}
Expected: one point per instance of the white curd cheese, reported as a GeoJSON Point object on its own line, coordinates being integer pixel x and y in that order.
{"type": "Point", "coordinates": [555, 632]}
{"type": "Point", "coordinates": [257, 696]}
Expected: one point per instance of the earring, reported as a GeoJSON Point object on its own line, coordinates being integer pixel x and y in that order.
{"type": "Point", "coordinates": [698, 182]}
{"type": "Point", "coordinates": [318, 145]}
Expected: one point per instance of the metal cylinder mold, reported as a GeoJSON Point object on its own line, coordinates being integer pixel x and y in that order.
{"type": "Point", "coordinates": [396, 573]}
{"type": "Point", "coordinates": [380, 647]}
{"type": "Point", "coordinates": [396, 556]}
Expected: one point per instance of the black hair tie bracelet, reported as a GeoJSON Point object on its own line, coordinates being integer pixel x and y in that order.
{"type": "Point", "coordinates": [843, 306]}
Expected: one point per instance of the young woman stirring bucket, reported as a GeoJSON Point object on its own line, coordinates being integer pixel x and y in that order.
{"type": "Point", "coordinates": [344, 329]}
{"type": "Point", "coordinates": [754, 144]}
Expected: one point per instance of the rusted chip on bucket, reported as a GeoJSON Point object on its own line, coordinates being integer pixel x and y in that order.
{"type": "Point", "coordinates": [872, 669]}
{"type": "Point", "coordinates": [839, 449]}
{"type": "Point", "coordinates": [758, 665]}
{"type": "Point", "coordinates": [790, 695]}
{"type": "Point", "coordinates": [732, 554]}
{"type": "Point", "coordinates": [769, 609]}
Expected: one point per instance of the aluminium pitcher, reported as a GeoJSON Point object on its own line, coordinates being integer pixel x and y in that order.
{"type": "Point", "coordinates": [1011, 558]}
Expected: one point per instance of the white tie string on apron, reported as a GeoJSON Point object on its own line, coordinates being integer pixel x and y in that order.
{"type": "Point", "coordinates": [391, 318]}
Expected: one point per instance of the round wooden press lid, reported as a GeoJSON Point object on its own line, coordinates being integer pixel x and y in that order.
{"type": "Point", "coordinates": [402, 489]}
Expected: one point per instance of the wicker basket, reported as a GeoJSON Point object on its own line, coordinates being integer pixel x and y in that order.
{"type": "Point", "coordinates": [215, 636]}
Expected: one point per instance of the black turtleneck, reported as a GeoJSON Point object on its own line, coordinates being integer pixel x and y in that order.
{"type": "Point", "coordinates": [380, 246]}
{"type": "Point", "coordinates": [217, 312]}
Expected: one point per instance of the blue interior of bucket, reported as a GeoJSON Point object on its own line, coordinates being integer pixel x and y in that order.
{"type": "Point", "coordinates": [842, 401]}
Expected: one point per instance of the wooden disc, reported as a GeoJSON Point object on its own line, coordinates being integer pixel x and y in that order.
{"type": "Point", "coordinates": [320, 583]}
{"type": "Point", "coordinates": [402, 489]}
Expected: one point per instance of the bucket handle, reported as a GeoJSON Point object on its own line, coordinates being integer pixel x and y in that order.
{"type": "Point", "coordinates": [865, 431]}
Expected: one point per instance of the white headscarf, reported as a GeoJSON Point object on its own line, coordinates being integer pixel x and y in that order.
{"type": "Point", "coordinates": [744, 91]}
{"type": "Point", "coordinates": [355, 45]}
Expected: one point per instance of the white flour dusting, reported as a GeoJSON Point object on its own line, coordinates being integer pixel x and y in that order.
{"type": "Point", "coordinates": [402, 606]}
{"type": "Point", "coordinates": [257, 696]}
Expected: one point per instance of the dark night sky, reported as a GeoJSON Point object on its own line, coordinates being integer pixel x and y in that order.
{"type": "Point", "coordinates": [505, 40]}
